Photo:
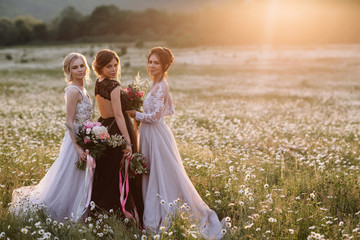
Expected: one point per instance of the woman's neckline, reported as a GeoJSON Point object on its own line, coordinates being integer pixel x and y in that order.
{"type": "Point", "coordinates": [82, 90]}
{"type": "Point", "coordinates": [101, 80]}
{"type": "Point", "coordinates": [162, 80]}
{"type": "Point", "coordinates": [79, 87]}
{"type": "Point", "coordinates": [105, 79]}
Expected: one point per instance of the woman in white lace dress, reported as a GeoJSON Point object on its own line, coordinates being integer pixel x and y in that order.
{"type": "Point", "coordinates": [60, 191]}
{"type": "Point", "coordinates": [168, 180]}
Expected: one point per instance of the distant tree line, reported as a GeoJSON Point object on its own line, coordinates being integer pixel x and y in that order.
{"type": "Point", "coordinates": [240, 23]}
{"type": "Point", "coordinates": [105, 23]}
{"type": "Point", "coordinates": [22, 30]}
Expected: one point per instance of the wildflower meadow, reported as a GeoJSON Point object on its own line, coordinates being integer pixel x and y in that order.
{"type": "Point", "coordinates": [269, 136]}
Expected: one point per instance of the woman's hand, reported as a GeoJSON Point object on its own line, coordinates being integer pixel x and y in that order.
{"type": "Point", "coordinates": [131, 113]}
{"type": "Point", "coordinates": [128, 151]}
{"type": "Point", "coordinates": [81, 153]}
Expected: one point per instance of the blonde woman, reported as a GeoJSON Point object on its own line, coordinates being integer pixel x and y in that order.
{"type": "Point", "coordinates": [60, 191]}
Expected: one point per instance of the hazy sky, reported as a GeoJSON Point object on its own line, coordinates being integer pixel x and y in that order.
{"type": "Point", "coordinates": [48, 9]}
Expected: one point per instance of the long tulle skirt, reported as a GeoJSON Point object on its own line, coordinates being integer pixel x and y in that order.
{"type": "Point", "coordinates": [60, 192]}
{"type": "Point", "coordinates": [168, 181]}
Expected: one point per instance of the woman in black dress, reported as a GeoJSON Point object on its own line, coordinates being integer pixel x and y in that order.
{"type": "Point", "coordinates": [106, 193]}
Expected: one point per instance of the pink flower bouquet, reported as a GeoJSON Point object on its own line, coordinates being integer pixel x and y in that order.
{"type": "Point", "coordinates": [94, 137]}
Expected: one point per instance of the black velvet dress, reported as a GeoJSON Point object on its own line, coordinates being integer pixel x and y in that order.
{"type": "Point", "coordinates": [106, 193]}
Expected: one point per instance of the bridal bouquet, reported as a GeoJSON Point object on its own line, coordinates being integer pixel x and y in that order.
{"type": "Point", "coordinates": [137, 165]}
{"type": "Point", "coordinates": [94, 137]}
{"type": "Point", "coordinates": [134, 94]}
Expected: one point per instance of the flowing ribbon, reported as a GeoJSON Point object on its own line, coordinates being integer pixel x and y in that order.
{"type": "Point", "coordinates": [90, 167]}
{"type": "Point", "coordinates": [89, 174]}
{"type": "Point", "coordinates": [124, 187]}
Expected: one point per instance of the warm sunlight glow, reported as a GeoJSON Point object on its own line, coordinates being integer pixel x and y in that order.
{"type": "Point", "coordinates": [285, 21]}
{"type": "Point", "coordinates": [270, 19]}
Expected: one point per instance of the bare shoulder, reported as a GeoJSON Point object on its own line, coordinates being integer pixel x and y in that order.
{"type": "Point", "coordinates": [72, 90]}
{"type": "Point", "coordinates": [73, 93]}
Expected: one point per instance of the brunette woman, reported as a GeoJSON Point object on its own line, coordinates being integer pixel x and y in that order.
{"type": "Point", "coordinates": [106, 194]}
{"type": "Point", "coordinates": [168, 180]}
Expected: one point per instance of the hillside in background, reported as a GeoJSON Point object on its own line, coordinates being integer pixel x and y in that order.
{"type": "Point", "coordinates": [183, 23]}
{"type": "Point", "coordinates": [49, 9]}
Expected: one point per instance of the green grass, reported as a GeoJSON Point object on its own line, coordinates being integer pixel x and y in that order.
{"type": "Point", "coordinates": [273, 145]}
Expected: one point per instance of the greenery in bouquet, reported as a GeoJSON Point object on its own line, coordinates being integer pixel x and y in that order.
{"type": "Point", "coordinates": [94, 137]}
{"type": "Point", "coordinates": [137, 165]}
{"type": "Point", "coordinates": [134, 94]}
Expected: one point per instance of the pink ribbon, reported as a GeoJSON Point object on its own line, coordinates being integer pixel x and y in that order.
{"type": "Point", "coordinates": [124, 187]}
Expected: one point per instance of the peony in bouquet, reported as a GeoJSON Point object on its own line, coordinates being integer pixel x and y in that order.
{"type": "Point", "coordinates": [94, 137]}
{"type": "Point", "coordinates": [133, 95]}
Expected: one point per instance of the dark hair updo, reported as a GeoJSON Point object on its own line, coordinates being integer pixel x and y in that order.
{"type": "Point", "coordinates": [165, 56]}
{"type": "Point", "coordinates": [102, 58]}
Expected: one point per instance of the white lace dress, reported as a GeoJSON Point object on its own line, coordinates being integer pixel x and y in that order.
{"type": "Point", "coordinates": [60, 191]}
{"type": "Point", "coordinates": [168, 180]}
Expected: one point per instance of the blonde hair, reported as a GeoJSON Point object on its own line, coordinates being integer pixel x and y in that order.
{"type": "Point", "coordinates": [67, 62]}
{"type": "Point", "coordinates": [102, 58]}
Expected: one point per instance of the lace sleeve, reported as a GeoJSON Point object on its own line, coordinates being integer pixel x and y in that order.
{"type": "Point", "coordinates": [169, 109]}
{"type": "Point", "coordinates": [157, 102]}
{"type": "Point", "coordinates": [105, 87]}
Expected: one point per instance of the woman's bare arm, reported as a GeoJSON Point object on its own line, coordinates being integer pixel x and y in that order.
{"type": "Point", "coordinates": [119, 118]}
